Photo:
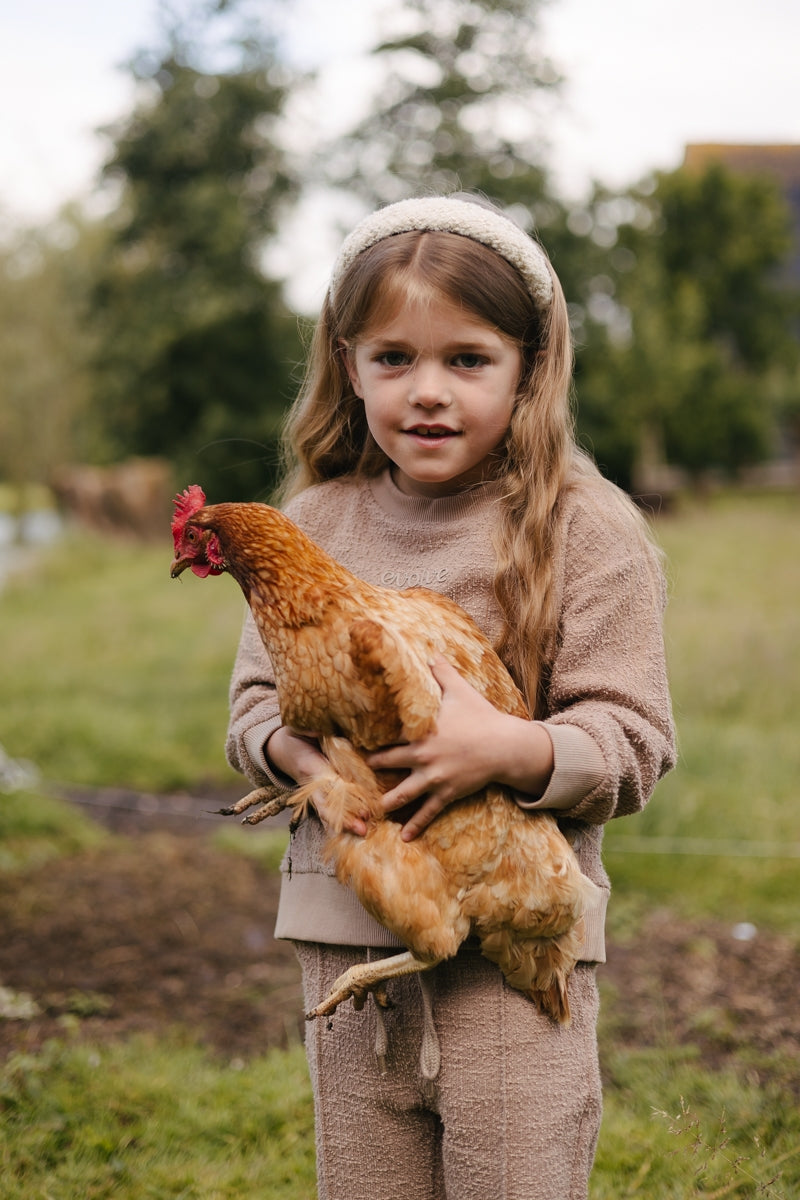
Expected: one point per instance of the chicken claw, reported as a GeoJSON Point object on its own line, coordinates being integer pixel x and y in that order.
{"type": "Point", "coordinates": [357, 982]}
{"type": "Point", "coordinates": [271, 804]}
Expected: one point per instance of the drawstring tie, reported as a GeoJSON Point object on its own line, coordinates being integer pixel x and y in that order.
{"type": "Point", "coordinates": [430, 1055]}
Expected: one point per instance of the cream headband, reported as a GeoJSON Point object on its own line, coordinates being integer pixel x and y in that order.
{"type": "Point", "coordinates": [443, 214]}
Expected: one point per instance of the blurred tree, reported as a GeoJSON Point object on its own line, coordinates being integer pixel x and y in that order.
{"type": "Point", "coordinates": [45, 277]}
{"type": "Point", "coordinates": [461, 104]}
{"type": "Point", "coordinates": [700, 349]}
{"type": "Point", "coordinates": [196, 346]}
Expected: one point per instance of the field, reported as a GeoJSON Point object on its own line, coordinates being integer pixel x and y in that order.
{"type": "Point", "coordinates": [149, 1031]}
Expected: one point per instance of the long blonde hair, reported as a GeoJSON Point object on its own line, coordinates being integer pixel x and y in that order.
{"type": "Point", "coordinates": [327, 436]}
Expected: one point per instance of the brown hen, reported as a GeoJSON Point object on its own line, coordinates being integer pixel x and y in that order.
{"type": "Point", "coordinates": [351, 664]}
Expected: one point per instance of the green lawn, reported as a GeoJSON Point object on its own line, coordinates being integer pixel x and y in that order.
{"type": "Point", "coordinates": [113, 673]}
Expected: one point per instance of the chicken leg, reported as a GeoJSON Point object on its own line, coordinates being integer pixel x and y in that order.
{"type": "Point", "coordinates": [363, 978]}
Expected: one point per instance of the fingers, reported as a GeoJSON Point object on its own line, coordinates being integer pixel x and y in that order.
{"type": "Point", "coordinates": [444, 672]}
{"type": "Point", "coordinates": [421, 819]}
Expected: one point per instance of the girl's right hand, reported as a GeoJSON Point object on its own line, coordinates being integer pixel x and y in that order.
{"type": "Point", "coordinates": [298, 755]}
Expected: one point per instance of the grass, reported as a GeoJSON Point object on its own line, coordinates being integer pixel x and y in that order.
{"type": "Point", "coordinates": [36, 827]}
{"type": "Point", "coordinates": [165, 1120]}
{"type": "Point", "coordinates": [671, 1132]}
{"type": "Point", "coordinates": [143, 1119]}
{"type": "Point", "coordinates": [115, 675]}
{"type": "Point", "coordinates": [733, 643]}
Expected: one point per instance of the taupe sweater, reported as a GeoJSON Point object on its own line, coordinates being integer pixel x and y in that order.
{"type": "Point", "coordinates": [609, 714]}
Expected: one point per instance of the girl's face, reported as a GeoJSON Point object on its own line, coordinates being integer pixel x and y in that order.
{"type": "Point", "coordinates": [438, 386]}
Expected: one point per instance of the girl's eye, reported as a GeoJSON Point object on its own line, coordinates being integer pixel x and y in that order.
{"type": "Point", "coordinates": [394, 358]}
{"type": "Point", "coordinates": [468, 361]}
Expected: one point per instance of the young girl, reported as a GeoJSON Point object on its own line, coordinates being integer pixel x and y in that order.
{"type": "Point", "coordinates": [432, 445]}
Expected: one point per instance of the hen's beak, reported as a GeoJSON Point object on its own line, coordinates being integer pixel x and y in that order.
{"type": "Point", "coordinates": [178, 565]}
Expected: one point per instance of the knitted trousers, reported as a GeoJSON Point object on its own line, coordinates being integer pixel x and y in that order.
{"type": "Point", "coordinates": [510, 1108]}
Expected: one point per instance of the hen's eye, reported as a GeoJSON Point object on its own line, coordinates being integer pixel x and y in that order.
{"type": "Point", "coordinates": [191, 535]}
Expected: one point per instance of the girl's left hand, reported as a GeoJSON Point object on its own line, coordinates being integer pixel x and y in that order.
{"type": "Point", "coordinates": [468, 748]}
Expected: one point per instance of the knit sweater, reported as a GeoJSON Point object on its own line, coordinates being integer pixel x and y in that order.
{"type": "Point", "coordinates": [608, 710]}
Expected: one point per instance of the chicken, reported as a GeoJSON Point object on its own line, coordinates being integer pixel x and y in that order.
{"type": "Point", "coordinates": [351, 664]}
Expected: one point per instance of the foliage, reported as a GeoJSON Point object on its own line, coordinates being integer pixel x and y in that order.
{"type": "Point", "coordinates": [45, 277]}
{"type": "Point", "coordinates": [701, 351]}
{"type": "Point", "coordinates": [460, 81]}
{"type": "Point", "coordinates": [196, 347]}
{"type": "Point", "coordinates": [672, 1132]}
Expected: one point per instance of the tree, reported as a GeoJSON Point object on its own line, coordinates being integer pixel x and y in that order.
{"type": "Point", "coordinates": [45, 278]}
{"type": "Point", "coordinates": [196, 346]}
{"type": "Point", "coordinates": [457, 106]}
{"type": "Point", "coordinates": [705, 344]}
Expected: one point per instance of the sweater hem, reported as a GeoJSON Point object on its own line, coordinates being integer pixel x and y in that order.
{"type": "Point", "coordinates": [317, 908]}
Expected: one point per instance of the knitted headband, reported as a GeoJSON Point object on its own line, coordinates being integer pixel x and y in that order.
{"type": "Point", "coordinates": [443, 214]}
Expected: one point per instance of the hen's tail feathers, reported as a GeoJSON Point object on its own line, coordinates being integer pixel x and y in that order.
{"type": "Point", "coordinates": [538, 966]}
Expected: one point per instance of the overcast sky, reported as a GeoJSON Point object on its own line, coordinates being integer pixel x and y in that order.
{"type": "Point", "coordinates": [643, 78]}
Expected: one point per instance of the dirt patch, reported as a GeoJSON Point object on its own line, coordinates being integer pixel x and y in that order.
{"type": "Point", "coordinates": [730, 991]}
{"type": "Point", "coordinates": [160, 929]}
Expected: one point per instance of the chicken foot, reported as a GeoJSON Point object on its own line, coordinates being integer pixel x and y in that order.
{"type": "Point", "coordinates": [359, 981]}
{"type": "Point", "coordinates": [271, 800]}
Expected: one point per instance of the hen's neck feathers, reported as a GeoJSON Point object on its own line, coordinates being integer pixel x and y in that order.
{"type": "Point", "coordinates": [269, 556]}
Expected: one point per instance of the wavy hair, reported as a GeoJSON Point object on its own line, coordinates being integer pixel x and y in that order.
{"type": "Point", "coordinates": [327, 437]}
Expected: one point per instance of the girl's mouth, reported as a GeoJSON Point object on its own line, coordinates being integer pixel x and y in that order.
{"type": "Point", "coordinates": [431, 433]}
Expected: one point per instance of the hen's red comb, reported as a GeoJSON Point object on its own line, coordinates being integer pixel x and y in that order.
{"type": "Point", "coordinates": [187, 503]}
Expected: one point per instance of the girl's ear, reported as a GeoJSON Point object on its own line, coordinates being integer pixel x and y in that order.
{"type": "Point", "coordinates": [348, 358]}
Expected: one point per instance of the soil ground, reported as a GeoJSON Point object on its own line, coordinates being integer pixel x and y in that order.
{"type": "Point", "coordinates": [161, 930]}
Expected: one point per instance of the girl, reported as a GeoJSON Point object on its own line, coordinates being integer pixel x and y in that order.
{"type": "Point", "coordinates": [432, 444]}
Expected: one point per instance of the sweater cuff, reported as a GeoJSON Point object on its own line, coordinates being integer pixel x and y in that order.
{"type": "Point", "coordinates": [255, 742]}
{"type": "Point", "coordinates": [578, 768]}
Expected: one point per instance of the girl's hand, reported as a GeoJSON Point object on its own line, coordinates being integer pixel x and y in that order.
{"type": "Point", "coordinates": [473, 743]}
{"type": "Point", "coordinates": [298, 755]}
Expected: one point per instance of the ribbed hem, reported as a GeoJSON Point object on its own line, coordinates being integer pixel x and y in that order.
{"type": "Point", "coordinates": [255, 739]}
{"type": "Point", "coordinates": [317, 908]}
{"type": "Point", "coordinates": [578, 768]}
{"type": "Point", "coordinates": [594, 938]}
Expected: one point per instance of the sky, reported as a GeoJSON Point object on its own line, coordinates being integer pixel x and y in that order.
{"type": "Point", "coordinates": [642, 78]}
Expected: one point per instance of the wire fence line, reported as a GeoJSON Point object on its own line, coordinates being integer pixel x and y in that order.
{"type": "Point", "coordinates": [18, 775]}
{"type": "Point", "coordinates": [185, 806]}
{"type": "Point", "coordinates": [704, 847]}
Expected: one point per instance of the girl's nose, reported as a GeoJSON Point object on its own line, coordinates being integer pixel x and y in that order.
{"type": "Point", "coordinates": [429, 385]}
